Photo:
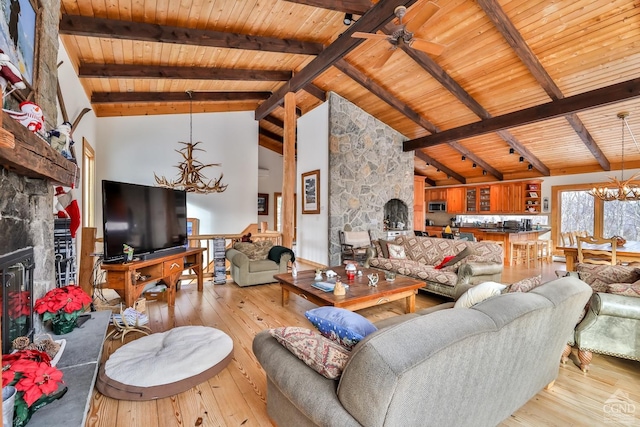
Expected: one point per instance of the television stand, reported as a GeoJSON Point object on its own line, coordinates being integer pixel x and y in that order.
{"type": "Point", "coordinates": [163, 253]}
{"type": "Point", "coordinates": [168, 267]}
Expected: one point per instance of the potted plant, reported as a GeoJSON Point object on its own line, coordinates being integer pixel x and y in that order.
{"type": "Point", "coordinates": [62, 306]}
{"type": "Point", "coordinates": [37, 383]}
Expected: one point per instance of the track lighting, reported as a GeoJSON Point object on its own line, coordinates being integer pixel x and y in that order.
{"type": "Point", "coordinates": [437, 170]}
{"type": "Point", "coordinates": [348, 19]}
{"type": "Point", "coordinates": [448, 176]}
{"type": "Point", "coordinates": [473, 165]}
{"type": "Point", "coordinates": [484, 172]}
{"type": "Point", "coordinates": [464, 158]}
{"type": "Point", "coordinates": [530, 166]}
{"type": "Point", "coordinates": [511, 151]}
{"type": "Point", "coordinates": [521, 159]}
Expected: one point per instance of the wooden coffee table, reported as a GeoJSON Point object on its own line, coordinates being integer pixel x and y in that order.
{"type": "Point", "coordinates": [359, 295]}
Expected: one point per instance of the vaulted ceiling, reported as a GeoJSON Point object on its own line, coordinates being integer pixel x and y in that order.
{"type": "Point", "coordinates": [544, 80]}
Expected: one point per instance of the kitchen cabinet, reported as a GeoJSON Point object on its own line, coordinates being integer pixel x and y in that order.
{"type": "Point", "coordinates": [532, 197]}
{"type": "Point", "coordinates": [484, 199]}
{"type": "Point", "coordinates": [418, 203]}
{"type": "Point", "coordinates": [455, 200]}
{"type": "Point", "coordinates": [436, 195]}
{"type": "Point", "coordinates": [471, 200]}
{"type": "Point", "coordinates": [499, 198]}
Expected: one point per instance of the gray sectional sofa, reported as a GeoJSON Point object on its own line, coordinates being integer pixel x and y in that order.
{"type": "Point", "coordinates": [484, 262]}
{"type": "Point", "coordinates": [452, 367]}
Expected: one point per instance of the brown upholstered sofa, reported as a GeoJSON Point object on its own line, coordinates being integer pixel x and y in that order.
{"type": "Point", "coordinates": [422, 254]}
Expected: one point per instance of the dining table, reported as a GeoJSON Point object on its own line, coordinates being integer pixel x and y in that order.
{"type": "Point", "coordinates": [627, 253]}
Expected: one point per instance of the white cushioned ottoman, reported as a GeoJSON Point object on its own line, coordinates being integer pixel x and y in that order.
{"type": "Point", "coordinates": [164, 364]}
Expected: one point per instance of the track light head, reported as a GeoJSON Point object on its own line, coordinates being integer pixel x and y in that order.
{"type": "Point", "coordinates": [484, 172]}
{"type": "Point", "coordinates": [511, 151]}
{"type": "Point", "coordinates": [530, 166]}
{"type": "Point", "coordinates": [521, 159]}
{"type": "Point", "coordinates": [348, 19]}
{"type": "Point", "coordinates": [464, 158]}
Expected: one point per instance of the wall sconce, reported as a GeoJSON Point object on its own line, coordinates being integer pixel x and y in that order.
{"type": "Point", "coordinates": [474, 165]}
{"type": "Point", "coordinates": [463, 158]}
{"type": "Point", "coordinates": [521, 159]}
{"type": "Point", "coordinates": [511, 151]}
{"type": "Point", "coordinates": [348, 19]}
{"type": "Point", "coordinates": [530, 166]}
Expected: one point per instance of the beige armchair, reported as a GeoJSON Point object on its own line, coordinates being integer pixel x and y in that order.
{"type": "Point", "coordinates": [256, 263]}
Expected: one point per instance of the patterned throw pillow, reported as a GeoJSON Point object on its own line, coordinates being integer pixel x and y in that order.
{"type": "Point", "coordinates": [342, 326]}
{"type": "Point", "coordinates": [256, 250]}
{"type": "Point", "coordinates": [319, 353]}
{"type": "Point", "coordinates": [626, 289]}
{"type": "Point", "coordinates": [396, 252]}
{"type": "Point", "coordinates": [525, 285]}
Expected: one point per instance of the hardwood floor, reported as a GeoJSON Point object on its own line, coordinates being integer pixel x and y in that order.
{"type": "Point", "coordinates": [237, 396]}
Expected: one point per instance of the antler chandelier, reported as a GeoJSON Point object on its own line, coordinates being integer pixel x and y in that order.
{"type": "Point", "coordinates": [190, 177]}
{"type": "Point", "coordinates": [620, 189]}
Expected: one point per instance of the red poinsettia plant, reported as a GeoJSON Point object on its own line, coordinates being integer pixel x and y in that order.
{"type": "Point", "coordinates": [66, 302]}
{"type": "Point", "coordinates": [35, 380]}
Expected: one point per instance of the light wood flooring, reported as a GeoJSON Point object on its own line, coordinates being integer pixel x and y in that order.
{"type": "Point", "coordinates": [237, 396]}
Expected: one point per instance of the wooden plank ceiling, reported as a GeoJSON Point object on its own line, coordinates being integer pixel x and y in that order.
{"type": "Point", "coordinates": [545, 79]}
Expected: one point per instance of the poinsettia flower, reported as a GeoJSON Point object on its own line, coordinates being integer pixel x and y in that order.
{"type": "Point", "coordinates": [41, 379]}
{"type": "Point", "coordinates": [8, 376]}
{"type": "Point", "coordinates": [67, 299]}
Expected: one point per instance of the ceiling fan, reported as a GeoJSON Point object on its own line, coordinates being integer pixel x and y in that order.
{"type": "Point", "coordinates": [403, 34]}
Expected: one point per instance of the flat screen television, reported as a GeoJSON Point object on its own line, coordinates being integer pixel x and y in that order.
{"type": "Point", "coordinates": [152, 220]}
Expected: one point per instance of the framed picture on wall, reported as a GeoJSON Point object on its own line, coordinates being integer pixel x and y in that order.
{"type": "Point", "coordinates": [311, 192]}
{"type": "Point", "coordinates": [18, 35]}
{"type": "Point", "coordinates": [263, 204]}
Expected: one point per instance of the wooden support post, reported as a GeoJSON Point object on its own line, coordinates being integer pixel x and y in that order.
{"type": "Point", "coordinates": [87, 247]}
{"type": "Point", "coordinates": [289, 169]}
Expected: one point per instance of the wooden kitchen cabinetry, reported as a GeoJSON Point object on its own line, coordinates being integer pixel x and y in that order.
{"type": "Point", "coordinates": [472, 200]}
{"type": "Point", "coordinates": [418, 203]}
{"type": "Point", "coordinates": [436, 195]}
{"type": "Point", "coordinates": [455, 200]}
{"type": "Point", "coordinates": [484, 199]}
{"type": "Point", "coordinates": [532, 197]}
{"type": "Point", "coordinates": [499, 198]}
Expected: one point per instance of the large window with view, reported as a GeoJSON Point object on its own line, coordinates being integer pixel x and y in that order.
{"type": "Point", "coordinates": [622, 219]}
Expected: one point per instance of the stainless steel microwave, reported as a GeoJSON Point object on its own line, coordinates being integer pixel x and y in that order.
{"type": "Point", "coordinates": [437, 206]}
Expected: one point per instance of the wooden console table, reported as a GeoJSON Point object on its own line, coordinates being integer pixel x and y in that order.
{"type": "Point", "coordinates": [122, 277]}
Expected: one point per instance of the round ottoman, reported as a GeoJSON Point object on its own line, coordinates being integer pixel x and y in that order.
{"type": "Point", "coordinates": [164, 364]}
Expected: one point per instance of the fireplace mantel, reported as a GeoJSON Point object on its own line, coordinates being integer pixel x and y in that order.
{"type": "Point", "coordinates": [31, 156]}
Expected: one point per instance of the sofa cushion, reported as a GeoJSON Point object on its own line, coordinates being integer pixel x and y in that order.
{"type": "Point", "coordinates": [256, 250]}
{"type": "Point", "coordinates": [319, 353]}
{"type": "Point", "coordinates": [525, 285]}
{"type": "Point", "coordinates": [396, 251]}
{"type": "Point", "coordinates": [627, 289]}
{"type": "Point", "coordinates": [416, 270]}
{"type": "Point", "coordinates": [262, 265]}
{"type": "Point", "coordinates": [599, 276]}
{"type": "Point", "coordinates": [342, 326]}
{"type": "Point", "coordinates": [479, 293]}
{"type": "Point", "coordinates": [455, 262]}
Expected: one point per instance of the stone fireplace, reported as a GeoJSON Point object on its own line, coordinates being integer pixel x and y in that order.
{"type": "Point", "coordinates": [396, 214]}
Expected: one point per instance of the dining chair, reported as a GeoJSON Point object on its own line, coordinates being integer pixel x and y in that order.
{"type": "Point", "coordinates": [603, 255]}
{"type": "Point", "coordinates": [567, 238]}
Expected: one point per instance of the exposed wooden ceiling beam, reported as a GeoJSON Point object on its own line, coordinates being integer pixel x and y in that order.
{"type": "Point", "coordinates": [173, 72]}
{"type": "Point", "coordinates": [438, 73]}
{"type": "Point", "coordinates": [607, 95]}
{"type": "Point", "coordinates": [121, 97]}
{"type": "Point", "coordinates": [274, 121]}
{"type": "Point", "coordinates": [314, 90]}
{"type": "Point", "coordinates": [127, 30]}
{"type": "Point", "coordinates": [387, 97]}
{"type": "Point", "coordinates": [271, 135]}
{"type": "Point", "coordinates": [427, 180]}
{"type": "Point", "coordinates": [511, 34]}
{"type": "Point", "coordinates": [271, 145]}
{"type": "Point", "coordinates": [475, 159]}
{"type": "Point", "coordinates": [370, 22]}
{"type": "Point", "coordinates": [359, 7]}
{"type": "Point", "coordinates": [433, 162]}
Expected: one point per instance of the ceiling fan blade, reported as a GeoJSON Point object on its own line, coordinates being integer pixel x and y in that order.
{"type": "Point", "coordinates": [426, 46]}
{"type": "Point", "coordinates": [361, 35]}
{"type": "Point", "coordinates": [384, 58]}
{"type": "Point", "coordinates": [422, 16]}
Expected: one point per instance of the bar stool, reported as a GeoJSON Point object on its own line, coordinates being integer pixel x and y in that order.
{"type": "Point", "coordinates": [544, 250]}
{"type": "Point", "coordinates": [525, 251]}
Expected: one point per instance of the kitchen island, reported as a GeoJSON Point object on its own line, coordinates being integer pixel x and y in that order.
{"type": "Point", "coordinates": [503, 235]}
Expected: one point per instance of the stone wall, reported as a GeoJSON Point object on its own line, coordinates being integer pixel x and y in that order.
{"type": "Point", "coordinates": [26, 204]}
{"type": "Point", "coordinates": [367, 168]}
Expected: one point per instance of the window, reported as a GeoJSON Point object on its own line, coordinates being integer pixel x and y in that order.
{"type": "Point", "coordinates": [577, 211]}
{"type": "Point", "coordinates": [88, 184]}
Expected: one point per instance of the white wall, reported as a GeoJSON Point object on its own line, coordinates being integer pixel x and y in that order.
{"type": "Point", "coordinates": [313, 153]}
{"type": "Point", "coordinates": [132, 149]}
{"type": "Point", "coordinates": [271, 164]}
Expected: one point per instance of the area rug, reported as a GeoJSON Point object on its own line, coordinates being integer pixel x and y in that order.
{"type": "Point", "coordinates": [164, 364]}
